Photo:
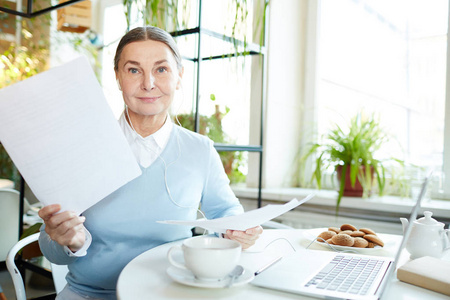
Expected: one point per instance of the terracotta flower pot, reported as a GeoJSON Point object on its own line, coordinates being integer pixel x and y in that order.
{"type": "Point", "coordinates": [349, 190]}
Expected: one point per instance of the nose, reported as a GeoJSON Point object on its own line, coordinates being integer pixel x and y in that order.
{"type": "Point", "coordinates": [149, 82]}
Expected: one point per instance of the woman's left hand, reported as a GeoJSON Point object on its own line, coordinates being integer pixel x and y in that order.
{"type": "Point", "coordinates": [245, 238]}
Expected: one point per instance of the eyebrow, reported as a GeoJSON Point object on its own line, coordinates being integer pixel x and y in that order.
{"type": "Point", "coordinates": [133, 62]}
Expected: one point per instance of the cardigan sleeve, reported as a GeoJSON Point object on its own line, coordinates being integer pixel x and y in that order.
{"type": "Point", "coordinates": [218, 199]}
{"type": "Point", "coordinates": [58, 254]}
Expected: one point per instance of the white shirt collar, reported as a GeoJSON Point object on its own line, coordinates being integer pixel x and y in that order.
{"type": "Point", "coordinates": [146, 150]}
{"type": "Point", "coordinates": [162, 135]}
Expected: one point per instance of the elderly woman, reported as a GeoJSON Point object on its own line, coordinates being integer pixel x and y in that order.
{"type": "Point", "coordinates": [181, 172]}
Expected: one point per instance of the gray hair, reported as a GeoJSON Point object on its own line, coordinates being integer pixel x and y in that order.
{"type": "Point", "coordinates": [144, 34]}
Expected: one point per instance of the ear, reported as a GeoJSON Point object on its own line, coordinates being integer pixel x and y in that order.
{"type": "Point", "coordinates": [118, 83]}
{"type": "Point", "coordinates": [180, 76]}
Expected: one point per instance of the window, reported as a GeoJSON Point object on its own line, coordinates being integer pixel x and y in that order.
{"type": "Point", "coordinates": [387, 57]}
{"type": "Point", "coordinates": [229, 90]}
{"type": "Point", "coordinates": [113, 27]}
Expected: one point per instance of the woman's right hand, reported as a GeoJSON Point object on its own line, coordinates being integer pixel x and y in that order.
{"type": "Point", "coordinates": [65, 228]}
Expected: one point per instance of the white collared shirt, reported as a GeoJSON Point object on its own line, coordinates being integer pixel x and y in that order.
{"type": "Point", "coordinates": [146, 150]}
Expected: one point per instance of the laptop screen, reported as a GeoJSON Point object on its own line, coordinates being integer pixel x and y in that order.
{"type": "Point", "coordinates": [412, 218]}
{"type": "Point", "coordinates": [407, 232]}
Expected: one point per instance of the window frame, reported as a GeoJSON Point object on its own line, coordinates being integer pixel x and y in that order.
{"type": "Point", "coordinates": [313, 75]}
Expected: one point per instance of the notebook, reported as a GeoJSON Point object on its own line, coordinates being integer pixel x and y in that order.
{"type": "Point", "coordinates": [325, 274]}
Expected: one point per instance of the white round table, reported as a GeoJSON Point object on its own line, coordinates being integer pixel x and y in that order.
{"type": "Point", "coordinates": [145, 277]}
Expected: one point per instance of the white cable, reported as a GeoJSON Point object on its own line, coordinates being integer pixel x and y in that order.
{"type": "Point", "coordinates": [330, 246]}
{"type": "Point", "coordinates": [165, 165]}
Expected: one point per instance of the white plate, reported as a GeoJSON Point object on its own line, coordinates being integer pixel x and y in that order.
{"type": "Point", "coordinates": [187, 278]}
{"type": "Point", "coordinates": [312, 234]}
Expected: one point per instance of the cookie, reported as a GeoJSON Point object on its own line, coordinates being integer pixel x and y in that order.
{"type": "Point", "coordinates": [374, 239]}
{"type": "Point", "coordinates": [346, 232]}
{"type": "Point", "coordinates": [348, 227]}
{"type": "Point", "coordinates": [371, 245]}
{"type": "Point", "coordinates": [367, 231]}
{"type": "Point", "coordinates": [356, 233]}
{"type": "Point", "coordinates": [343, 240]}
{"type": "Point", "coordinates": [330, 241]}
{"type": "Point", "coordinates": [325, 235]}
{"type": "Point", "coordinates": [360, 242]}
{"type": "Point", "coordinates": [335, 229]}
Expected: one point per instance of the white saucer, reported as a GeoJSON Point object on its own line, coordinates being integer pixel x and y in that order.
{"type": "Point", "coordinates": [187, 278]}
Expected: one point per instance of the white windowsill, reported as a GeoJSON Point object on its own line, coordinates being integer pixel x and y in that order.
{"type": "Point", "coordinates": [440, 208]}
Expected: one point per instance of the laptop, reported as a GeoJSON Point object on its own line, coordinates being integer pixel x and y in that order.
{"type": "Point", "coordinates": [326, 274]}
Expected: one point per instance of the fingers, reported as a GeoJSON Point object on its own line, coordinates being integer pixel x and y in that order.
{"type": "Point", "coordinates": [47, 211]}
{"type": "Point", "coordinates": [64, 223]}
{"type": "Point", "coordinates": [254, 231]}
{"type": "Point", "coordinates": [66, 228]}
{"type": "Point", "coordinates": [245, 238]}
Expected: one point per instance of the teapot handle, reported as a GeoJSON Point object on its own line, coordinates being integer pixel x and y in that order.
{"type": "Point", "coordinates": [447, 240]}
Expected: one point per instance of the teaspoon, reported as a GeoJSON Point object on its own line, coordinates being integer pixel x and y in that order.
{"type": "Point", "coordinates": [237, 271]}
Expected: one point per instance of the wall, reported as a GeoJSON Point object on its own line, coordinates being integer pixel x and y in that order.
{"type": "Point", "coordinates": [285, 89]}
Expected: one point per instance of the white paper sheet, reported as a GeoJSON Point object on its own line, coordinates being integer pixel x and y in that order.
{"type": "Point", "coordinates": [62, 136]}
{"type": "Point", "coordinates": [243, 221]}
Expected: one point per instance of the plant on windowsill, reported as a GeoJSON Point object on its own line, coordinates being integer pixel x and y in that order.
{"type": "Point", "coordinates": [352, 154]}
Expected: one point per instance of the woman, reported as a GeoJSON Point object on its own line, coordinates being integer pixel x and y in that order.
{"type": "Point", "coordinates": [180, 172]}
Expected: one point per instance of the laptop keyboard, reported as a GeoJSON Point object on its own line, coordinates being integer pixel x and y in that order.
{"type": "Point", "coordinates": [347, 274]}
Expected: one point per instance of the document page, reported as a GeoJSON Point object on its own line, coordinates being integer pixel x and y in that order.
{"type": "Point", "coordinates": [64, 139]}
{"type": "Point", "coordinates": [243, 221]}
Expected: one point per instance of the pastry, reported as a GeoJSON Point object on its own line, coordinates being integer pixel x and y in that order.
{"type": "Point", "coordinates": [360, 242]}
{"type": "Point", "coordinates": [335, 229]}
{"type": "Point", "coordinates": [350, 236]}
{"type": "Point", "coordinates": [356, 233]}
{"type": "Point", "coordinates": [343, 240]}
{"type": "Point", "coordinates": [346, 232]}
{"type": "Point", "coordinates": [367, 231]}
{"type": "Point", "coordinates": [348, 227]}
{"type": "Point", "coordinates": [325, 235]}
{"type": "Point", "coordinates": [374, 239]}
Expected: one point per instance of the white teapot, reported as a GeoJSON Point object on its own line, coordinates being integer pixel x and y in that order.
{"type": "Point", "coordinates": [428, 237]}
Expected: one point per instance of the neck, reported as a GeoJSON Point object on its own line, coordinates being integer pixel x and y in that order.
{"type": "Point", "coordinates": [144, 125]}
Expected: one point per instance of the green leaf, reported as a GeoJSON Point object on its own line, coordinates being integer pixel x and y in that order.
{"type": "Point", "coordinates": [31, 230]}
{"type": "Point", "coordinates": [341, 189]}
{"type": "Point", "coordinates": [353, 146]}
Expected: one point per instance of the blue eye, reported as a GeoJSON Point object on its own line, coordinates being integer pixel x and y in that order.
{"type": "Point", "coordinates": [133, 70]}
{"type": "Point", "coordinates": [161, 69]}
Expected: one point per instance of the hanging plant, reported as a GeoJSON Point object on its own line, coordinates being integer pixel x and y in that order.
{"type": "Point", "coordinates": [173, 15]}
{"type": "Point", "coordinates": [159, 13]}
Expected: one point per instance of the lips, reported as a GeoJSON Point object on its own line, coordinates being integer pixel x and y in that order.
{"type": "Point", "coordinates": [149, 99]}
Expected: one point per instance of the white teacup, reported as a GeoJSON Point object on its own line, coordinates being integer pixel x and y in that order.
{"type": "Point", "coordinates": [208, 258]}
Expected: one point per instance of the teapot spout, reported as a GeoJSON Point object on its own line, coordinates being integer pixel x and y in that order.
{"type": "Point", "coordinates": [405, 224]}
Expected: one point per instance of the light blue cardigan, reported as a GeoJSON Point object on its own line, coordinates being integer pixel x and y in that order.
{"type": "Point", "coordinates": [123, 225]}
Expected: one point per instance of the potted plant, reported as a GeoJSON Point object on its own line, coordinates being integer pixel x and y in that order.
{"type": "Point", "coordinates": [211, 126]}
{"type": "Point", "coordinates": [352, 154]}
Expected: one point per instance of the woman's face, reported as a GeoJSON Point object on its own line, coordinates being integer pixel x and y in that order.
{"type": "Point", "coordinates": [148, 76]}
